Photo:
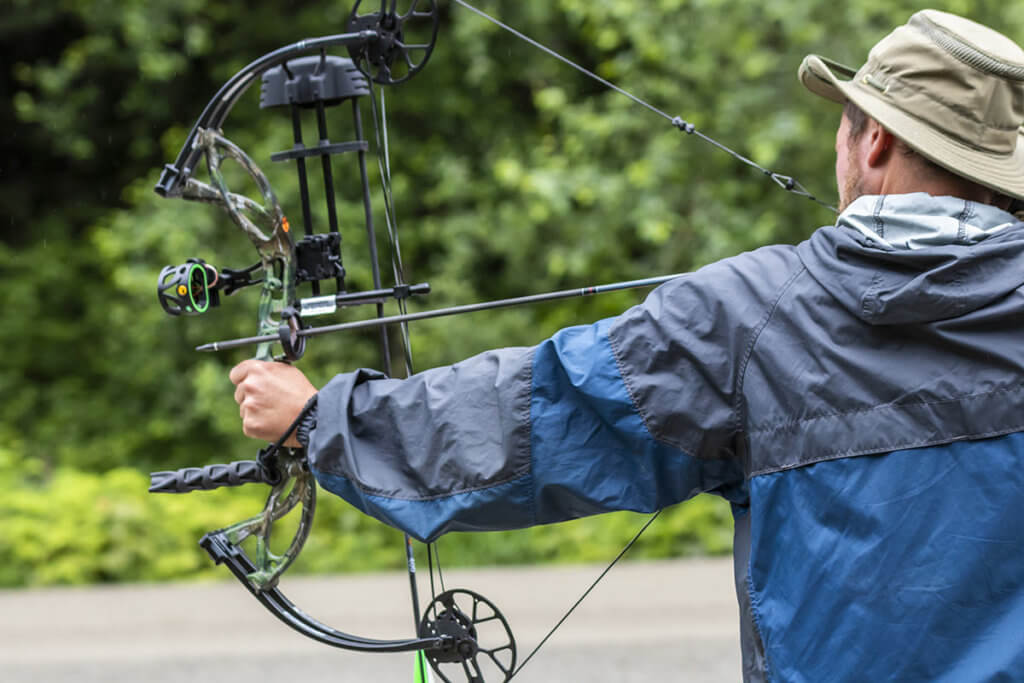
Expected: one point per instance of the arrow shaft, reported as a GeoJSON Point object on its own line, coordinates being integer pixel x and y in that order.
{"type": "Point", "coordinates": [443, 312]}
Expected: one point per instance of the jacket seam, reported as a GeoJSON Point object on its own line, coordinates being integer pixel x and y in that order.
{"type": "Point", "coordinates": [634, 403]}
{"type": "Point", "coordinates": [870, 293]}
{"type": "Point", "coordinates": [739, 403]}
{"type": "Point", "coordinates": [755, 613]}
{"type": "Point", "coordinates": [961, 220]}
{"type": "Point", "coordinates": [877, 216]}
{"type": "Point", "coordinates": [527, 411]}
{"type": "Point", "coordinates": [885, 449]}
{"type": "Point", "coordinates": [795, 422]}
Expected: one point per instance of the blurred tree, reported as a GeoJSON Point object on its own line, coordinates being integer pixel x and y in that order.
{"type": "Point", "coordinates": [512, 174]}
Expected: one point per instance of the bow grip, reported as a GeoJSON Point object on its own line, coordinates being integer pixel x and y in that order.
{"type": "Point", "coordinates": [210, 477]}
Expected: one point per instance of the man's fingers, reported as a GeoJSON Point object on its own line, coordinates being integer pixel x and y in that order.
{"type": "Point", "coordinates": [242, 370]}
{"type": "Point", "coordinates": [250, 418]}
{"type": "Point", "coordinates": [269, 397]}
{"type": "Point", "coordinates": [256, 425]}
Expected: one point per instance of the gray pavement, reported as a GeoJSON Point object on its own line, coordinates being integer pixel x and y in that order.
{"type": "Point", "coordinates": [660, 621]}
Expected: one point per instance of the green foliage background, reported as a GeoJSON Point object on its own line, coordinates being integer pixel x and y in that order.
{"type": "Point", "coordinates": [512, 175]}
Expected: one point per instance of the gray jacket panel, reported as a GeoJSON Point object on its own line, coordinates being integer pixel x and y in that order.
{"type": "Point", "coordinates": [475, 412]}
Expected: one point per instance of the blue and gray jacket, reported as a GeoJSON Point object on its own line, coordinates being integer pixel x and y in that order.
{"type": "Point", "coordinates": [859, 398]}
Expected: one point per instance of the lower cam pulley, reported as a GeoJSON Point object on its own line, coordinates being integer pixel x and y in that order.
{"type": "Point", "coordinates": [480, 646]}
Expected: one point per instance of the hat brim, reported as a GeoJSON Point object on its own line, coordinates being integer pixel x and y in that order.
{"type": "Point", "coordinates": [1002, 173]}
{"type": "Point", "coordinates": [819, 76]}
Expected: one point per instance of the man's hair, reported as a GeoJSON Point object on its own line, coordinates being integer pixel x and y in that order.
{"type": "Point", "coordinates": [858, 120]}
{"type": "Point", "coordinates": [858, 123]}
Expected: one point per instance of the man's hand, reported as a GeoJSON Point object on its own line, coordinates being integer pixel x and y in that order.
{"type": "Point", "coordinates": [270, 397]}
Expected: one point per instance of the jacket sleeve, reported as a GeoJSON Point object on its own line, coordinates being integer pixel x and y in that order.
{"type": "Point", "coordinates": [631, 413]}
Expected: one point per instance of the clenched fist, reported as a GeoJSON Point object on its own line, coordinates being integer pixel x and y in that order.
{"type": "Point", "coordinates": [270, 397]}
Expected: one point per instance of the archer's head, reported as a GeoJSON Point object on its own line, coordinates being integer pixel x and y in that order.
{"type": "Point", "coordinates": [937, 108]}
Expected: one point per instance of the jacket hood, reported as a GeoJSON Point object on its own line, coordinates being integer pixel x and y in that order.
{"type": "Point", "coordinates": [914, 258]}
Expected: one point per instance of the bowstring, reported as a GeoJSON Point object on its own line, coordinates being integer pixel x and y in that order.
{"type": "Point", "coordinates": [380, 129]}
{"type": "Point", "coordinates": [787, 183]}
{"type": "Point", "coordinates": [390, 220]}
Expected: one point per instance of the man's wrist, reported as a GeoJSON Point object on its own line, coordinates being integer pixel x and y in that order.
{"type": "Point", "coordinates": [306, 424]}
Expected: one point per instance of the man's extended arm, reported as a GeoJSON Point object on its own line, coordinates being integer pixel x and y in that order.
{"type": "Point", "coordinates": [632, 413]}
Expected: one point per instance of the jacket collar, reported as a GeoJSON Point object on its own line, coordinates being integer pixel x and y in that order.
{"type": "Point", "coordinates": [919, 220]}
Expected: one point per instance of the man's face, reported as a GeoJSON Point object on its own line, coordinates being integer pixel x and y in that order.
{"type": "Point", "coordinates": [848, 176]}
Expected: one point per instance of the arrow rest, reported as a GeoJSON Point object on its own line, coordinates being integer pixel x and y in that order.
{"type": "Point", "coordinates": [292, 344]}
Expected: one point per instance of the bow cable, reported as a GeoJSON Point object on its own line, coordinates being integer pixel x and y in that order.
{"type": "Point", "coordinates": [625, 549]}
{"type": "Point", "coordinates": [380, 127]}
{"type": "Point", "coordinates": [787, 183]}
{"type": "Point", "coordinates": [384, 344]}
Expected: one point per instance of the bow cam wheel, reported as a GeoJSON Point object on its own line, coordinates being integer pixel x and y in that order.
{"type": "Point", "coordinates": [481, 646]}
{"type": "Point", "coordinates": [406, 36]}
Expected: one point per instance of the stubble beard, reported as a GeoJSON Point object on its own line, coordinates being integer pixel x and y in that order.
{"type": "Point", "coordinates": [852, 185]}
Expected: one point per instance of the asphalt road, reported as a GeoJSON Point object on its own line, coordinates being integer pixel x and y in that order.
{"type": "Point", "coordinates": [663, 621]}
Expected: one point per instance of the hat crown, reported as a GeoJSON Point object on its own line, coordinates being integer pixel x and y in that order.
{"type": "Point", "coordinates": [956, 75]}
{"type": "Point", "coordinates": [972, 43]}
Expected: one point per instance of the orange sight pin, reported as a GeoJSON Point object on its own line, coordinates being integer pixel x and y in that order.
{"type": "Point", "coordinates": [284, 224]}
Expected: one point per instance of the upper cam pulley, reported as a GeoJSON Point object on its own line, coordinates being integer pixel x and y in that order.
{"type": "Point", "coordinates": [404, 43]}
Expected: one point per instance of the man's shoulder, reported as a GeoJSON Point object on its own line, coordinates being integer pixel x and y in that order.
{"type": "Point", "coordinates": [757, 275]}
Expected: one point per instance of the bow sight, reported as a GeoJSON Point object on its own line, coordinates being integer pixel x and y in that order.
{"type": "Point", "coordinates": [384, 48]}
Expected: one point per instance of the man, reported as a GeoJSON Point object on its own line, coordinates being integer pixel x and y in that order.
{"type": "Point", "coordinates": [859, 398]}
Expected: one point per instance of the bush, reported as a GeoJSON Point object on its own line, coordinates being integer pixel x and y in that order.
{"type": "Point", "coordinates": [76, 527]}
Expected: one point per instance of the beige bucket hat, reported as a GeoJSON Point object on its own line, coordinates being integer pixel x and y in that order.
{"type": "Point", "coordinates": [950, 88]}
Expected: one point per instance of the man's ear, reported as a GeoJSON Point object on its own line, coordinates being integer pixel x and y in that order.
{"type": "Point", "coordinates": [880, 143]}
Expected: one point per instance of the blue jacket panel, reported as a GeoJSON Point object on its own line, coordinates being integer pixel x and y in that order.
{"type": "Point", "coordinates": [902, 567]}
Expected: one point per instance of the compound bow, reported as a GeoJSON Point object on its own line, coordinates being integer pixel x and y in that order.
{"type": "Point", "coordinates": [382, 51]}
